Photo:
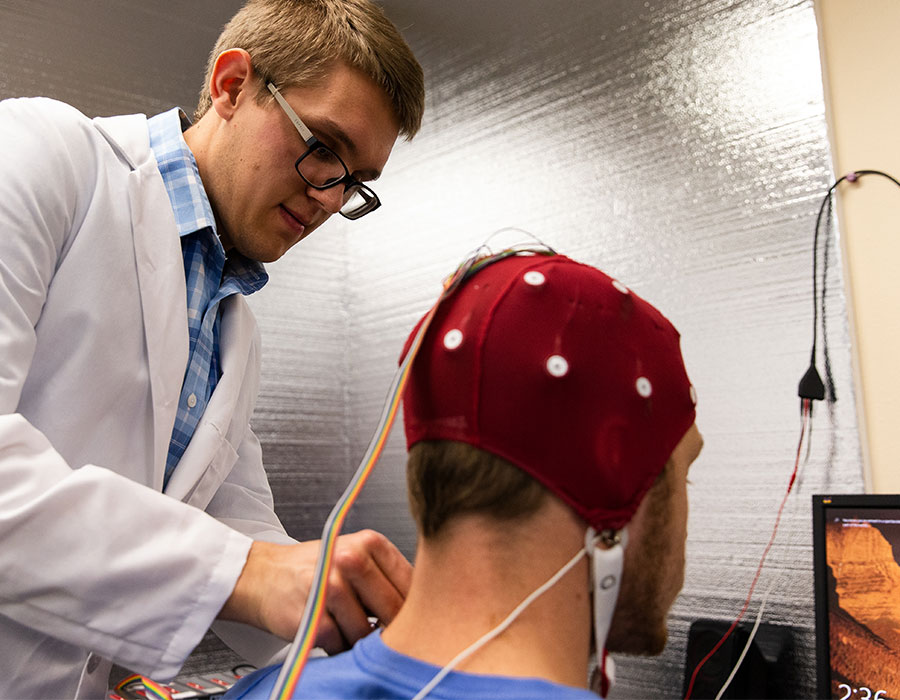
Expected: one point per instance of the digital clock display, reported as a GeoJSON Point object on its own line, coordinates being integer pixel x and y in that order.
{"type": "Point", "coordinates": [863, 693]}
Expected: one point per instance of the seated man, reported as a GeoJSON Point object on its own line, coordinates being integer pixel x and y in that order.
{"type": "Point", "coordinates": [550, 423]}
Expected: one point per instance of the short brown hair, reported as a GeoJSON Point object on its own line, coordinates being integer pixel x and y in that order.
{"type": "Point", "coordinates": [447, 478]}
{"type": "Point", "coordinates": [294, 42]}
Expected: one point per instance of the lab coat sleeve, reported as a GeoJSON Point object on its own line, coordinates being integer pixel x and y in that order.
{"type": "Point", "coordinates": [89, 556]}
{"type": "Point", "coordinates": [146, 576]}
{"type": "Point", "coordinates": [34, 224]}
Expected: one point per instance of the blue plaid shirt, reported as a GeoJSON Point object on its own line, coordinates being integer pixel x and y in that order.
{"type": "Point", "coordinates": [210, 276]}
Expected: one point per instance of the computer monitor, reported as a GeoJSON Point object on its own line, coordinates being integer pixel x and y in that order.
{"type": "Point", "coordinates": [856, 557]}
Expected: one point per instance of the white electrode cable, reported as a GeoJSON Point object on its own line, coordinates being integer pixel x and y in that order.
{"type": "Point", "coordinates": [791, 511]}
{"type": "Point", "coordinates": [805, 405]}
{"type": "Point", "coordinates": [762, 606]}
{"type": "Point", "coordinates": [466, 653]}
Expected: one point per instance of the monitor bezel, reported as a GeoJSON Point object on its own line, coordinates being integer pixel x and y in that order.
{"type": "Point", "coordinates": [820, 504]}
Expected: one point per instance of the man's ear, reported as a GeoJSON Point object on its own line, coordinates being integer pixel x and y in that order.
{"type": "Point", "coordinates": [232, 75]}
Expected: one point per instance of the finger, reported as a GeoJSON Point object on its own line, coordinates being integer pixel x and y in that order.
{"type": "Point", "coordinates": [393, 566]}
{"type": "Point", "coordinates": [391, 561]}
{"type": "Point", "coordinates": [328, 635]}
{"type": "Point", "coordinates": [376, 570]}
{"type": "Point", "coordinates": [345, 609]}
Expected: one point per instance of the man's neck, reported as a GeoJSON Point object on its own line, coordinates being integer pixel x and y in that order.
{"type": "Point", "coordinates": [472, 576]}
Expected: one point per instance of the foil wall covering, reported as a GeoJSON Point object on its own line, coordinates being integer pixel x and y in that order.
{"type": "Point", "coordinates": [680, 145]}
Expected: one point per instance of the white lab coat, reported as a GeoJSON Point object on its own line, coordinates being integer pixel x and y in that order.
{"type": "Point", "coordinates": [96, 565]}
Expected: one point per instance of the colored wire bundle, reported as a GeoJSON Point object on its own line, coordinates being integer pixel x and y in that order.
{"type": "Point", "coordinates": [152, 689]}
{"type": "Point", "coordinates": [315, 605]}
{"type": "Point", "coordinates": [298, 654]}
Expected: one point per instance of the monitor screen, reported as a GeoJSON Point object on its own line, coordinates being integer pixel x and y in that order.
{"type": "Point", "coordinates": [856, 550]}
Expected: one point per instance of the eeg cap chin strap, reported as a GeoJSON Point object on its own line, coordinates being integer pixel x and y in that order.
{"type": "Point", "coordinates": [606, 578]}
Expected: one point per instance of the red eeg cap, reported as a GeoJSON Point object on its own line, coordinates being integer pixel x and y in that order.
{"type": "Point", "coordinates": [560, 370]}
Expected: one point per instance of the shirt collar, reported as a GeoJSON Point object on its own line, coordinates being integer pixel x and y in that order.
{"type": "Point", "coordinates": [180, 172]}
{"type": "Point", "coordinates": [187, 195]}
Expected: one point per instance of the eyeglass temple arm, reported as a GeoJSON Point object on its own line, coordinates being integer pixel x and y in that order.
{"type": "Point", "coordinates": [305, 133]}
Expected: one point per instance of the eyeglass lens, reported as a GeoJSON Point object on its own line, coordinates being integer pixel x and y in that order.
{"type": "Point", "coordinates": [359, 202]}
{"type": "Point", "coordinates": [322, 167]}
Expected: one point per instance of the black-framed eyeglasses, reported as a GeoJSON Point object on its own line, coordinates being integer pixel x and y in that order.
{"type": "Point", "coordinates": [321, 168]}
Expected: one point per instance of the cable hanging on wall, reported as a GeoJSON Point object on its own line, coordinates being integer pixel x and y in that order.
{"type": "Point", "coordinates": [811, 385]}
{"type": "Point", "coordinates": [811, 388]}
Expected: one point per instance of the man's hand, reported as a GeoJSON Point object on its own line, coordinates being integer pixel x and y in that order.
{"type": "Point", "coordinates": [369, 577]}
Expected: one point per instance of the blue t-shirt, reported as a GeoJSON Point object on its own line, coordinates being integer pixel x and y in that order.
{"type": "Point", "coordinates": [371, 669]}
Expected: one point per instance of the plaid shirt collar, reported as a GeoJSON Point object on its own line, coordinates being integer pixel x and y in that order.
{"type": "Point", "coordinates": [188, 197]}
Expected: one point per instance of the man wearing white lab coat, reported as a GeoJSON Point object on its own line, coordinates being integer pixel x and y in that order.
{"type": "Point", "coordinates": [105, 557]}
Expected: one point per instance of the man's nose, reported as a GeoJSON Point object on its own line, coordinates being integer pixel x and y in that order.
{"type": "Point", "coordinates": [331, 200]}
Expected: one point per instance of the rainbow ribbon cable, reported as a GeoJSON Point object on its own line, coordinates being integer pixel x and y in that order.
{"type": "Point", "coordinates": [152, 689]}
{"type": "Point", "coordinates": [298, 654]}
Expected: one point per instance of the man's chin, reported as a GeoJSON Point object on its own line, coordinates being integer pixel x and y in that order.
{"type": "Point", "coordinates": [643, 641]}
{"type": "Point", "coordinates": [657, 643]}
{"type": "Point", "coordinates": [265, 253]}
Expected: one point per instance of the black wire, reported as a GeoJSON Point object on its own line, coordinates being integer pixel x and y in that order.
{"type": "Point", "coordinates": [825, 201]}
{"type": "Point", "coordinates": [830, 394]}
{"type": "Point", "coordinates": [827, 205]}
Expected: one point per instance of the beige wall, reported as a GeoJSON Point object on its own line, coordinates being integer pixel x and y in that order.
{"type": "Point", "coordinates": [861, 65]}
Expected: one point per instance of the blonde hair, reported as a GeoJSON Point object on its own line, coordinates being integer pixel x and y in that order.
{"type": "Point", "coordinates": [294, 42]}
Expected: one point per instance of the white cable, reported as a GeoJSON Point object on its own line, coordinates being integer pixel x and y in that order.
{"type": "Point", "coordinates": [765, 599]}
{"type": "Point", "coordinates": [762, 606]}
{"type": "Point", "coordinates": [466, 653]}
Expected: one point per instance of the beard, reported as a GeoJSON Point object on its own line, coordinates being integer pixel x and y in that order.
{"type": "Point", "coordinates": [654, 572]}
{"type": "Point", "coordinates": [638, 627]}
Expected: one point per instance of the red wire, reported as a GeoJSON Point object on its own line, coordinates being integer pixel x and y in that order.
{"type": "Point", "coordinates": [806, 411]}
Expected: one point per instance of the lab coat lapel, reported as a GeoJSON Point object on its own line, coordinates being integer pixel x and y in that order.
{"type": "Point", "coordinates": [160, 269]}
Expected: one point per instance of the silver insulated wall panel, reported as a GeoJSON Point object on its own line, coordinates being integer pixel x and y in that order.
{"type": "Point", "coordinates": [680, 146]}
